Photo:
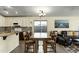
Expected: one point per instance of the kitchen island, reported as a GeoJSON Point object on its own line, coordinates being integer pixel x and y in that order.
{"type": "Point", "coordinates": [8, 42]}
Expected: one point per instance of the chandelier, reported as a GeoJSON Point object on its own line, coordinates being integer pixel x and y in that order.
{"type": "Point", "coordinates": [41, 13]}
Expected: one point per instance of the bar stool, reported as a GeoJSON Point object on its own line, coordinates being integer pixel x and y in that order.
{"type": "Point", "coordinates": [51, 42]}
{"type": "Point", "coordinates": [29, 43]}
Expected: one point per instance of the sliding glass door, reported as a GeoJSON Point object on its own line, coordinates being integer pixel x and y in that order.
{"type": "Point", "coordinates": [40, 29]}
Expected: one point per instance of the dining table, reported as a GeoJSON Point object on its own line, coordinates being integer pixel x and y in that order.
{"type": "Point", "coordinates": [40, 43]}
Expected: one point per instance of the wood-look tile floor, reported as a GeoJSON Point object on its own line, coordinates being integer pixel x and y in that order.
{"type": "Point", "coordinates": [20, 48]}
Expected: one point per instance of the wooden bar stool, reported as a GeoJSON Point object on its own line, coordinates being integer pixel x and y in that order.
{"type": "Point", "coordinates": [51, 42]}
{"type": "Point", "coordinates": [30, 44]}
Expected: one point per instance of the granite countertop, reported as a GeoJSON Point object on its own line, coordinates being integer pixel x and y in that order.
{"type": "Point", "coordinates": [6, 34]}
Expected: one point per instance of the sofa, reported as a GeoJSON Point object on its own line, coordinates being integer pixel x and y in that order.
{"type": "Point", "coordinates": [63, 39]}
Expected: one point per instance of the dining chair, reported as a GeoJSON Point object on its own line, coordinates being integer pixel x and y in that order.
{"type": "Point", "coordinates": [30, 44]}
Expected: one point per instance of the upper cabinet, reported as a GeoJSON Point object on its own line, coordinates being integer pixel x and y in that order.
{"type": "Point", "coordinates": [11, 20]}
{"type": "Point", "coordinates": [22, 21]}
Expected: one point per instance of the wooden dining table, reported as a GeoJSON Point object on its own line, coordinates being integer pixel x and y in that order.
{"type": "Point", "coordinates": [37, 39]}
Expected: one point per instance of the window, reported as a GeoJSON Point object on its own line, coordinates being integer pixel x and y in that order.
{"type": "Point", "coordinates": [40, 29]}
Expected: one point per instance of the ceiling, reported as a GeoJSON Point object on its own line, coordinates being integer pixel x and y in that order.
{"type": "Point", "coordinates": [32, 10]}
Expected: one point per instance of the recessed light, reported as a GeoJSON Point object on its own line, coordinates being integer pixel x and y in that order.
{"type": "Point", "coordinates": [9, 6]}
{"type": "Point", "coordinates": [6, 12]}
{"type": "Point", "coordinates": [16, 12]}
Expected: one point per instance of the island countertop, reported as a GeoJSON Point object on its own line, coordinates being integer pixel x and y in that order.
{"type": "Point", "coordinates": [8, 41]}
{"type": "Point", "coordinates": [6, 34]}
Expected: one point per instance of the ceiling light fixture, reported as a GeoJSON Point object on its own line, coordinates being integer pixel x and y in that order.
{"type": "Point", "coordinates": [44, 9]}
{"type": "Point", "coordinates": [42, 13]}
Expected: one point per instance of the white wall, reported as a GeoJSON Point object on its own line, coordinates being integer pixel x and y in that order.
{"type": "Point", "coordinates": [2, 20]}
{"type": "Point", "coordinates": [28, 21]}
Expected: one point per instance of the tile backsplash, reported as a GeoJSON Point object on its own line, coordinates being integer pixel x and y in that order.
{"type": "Point", "coordinates": [5, 29]}
{"type": "Point", "coordinates": [11, 29]}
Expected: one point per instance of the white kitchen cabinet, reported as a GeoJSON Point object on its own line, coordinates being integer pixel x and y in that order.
{"type": "Point", "coordinates": [12, 20]}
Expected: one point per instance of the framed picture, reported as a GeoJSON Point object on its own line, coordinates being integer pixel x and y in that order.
{"type": "Point", "coordinates": [61, 24]}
